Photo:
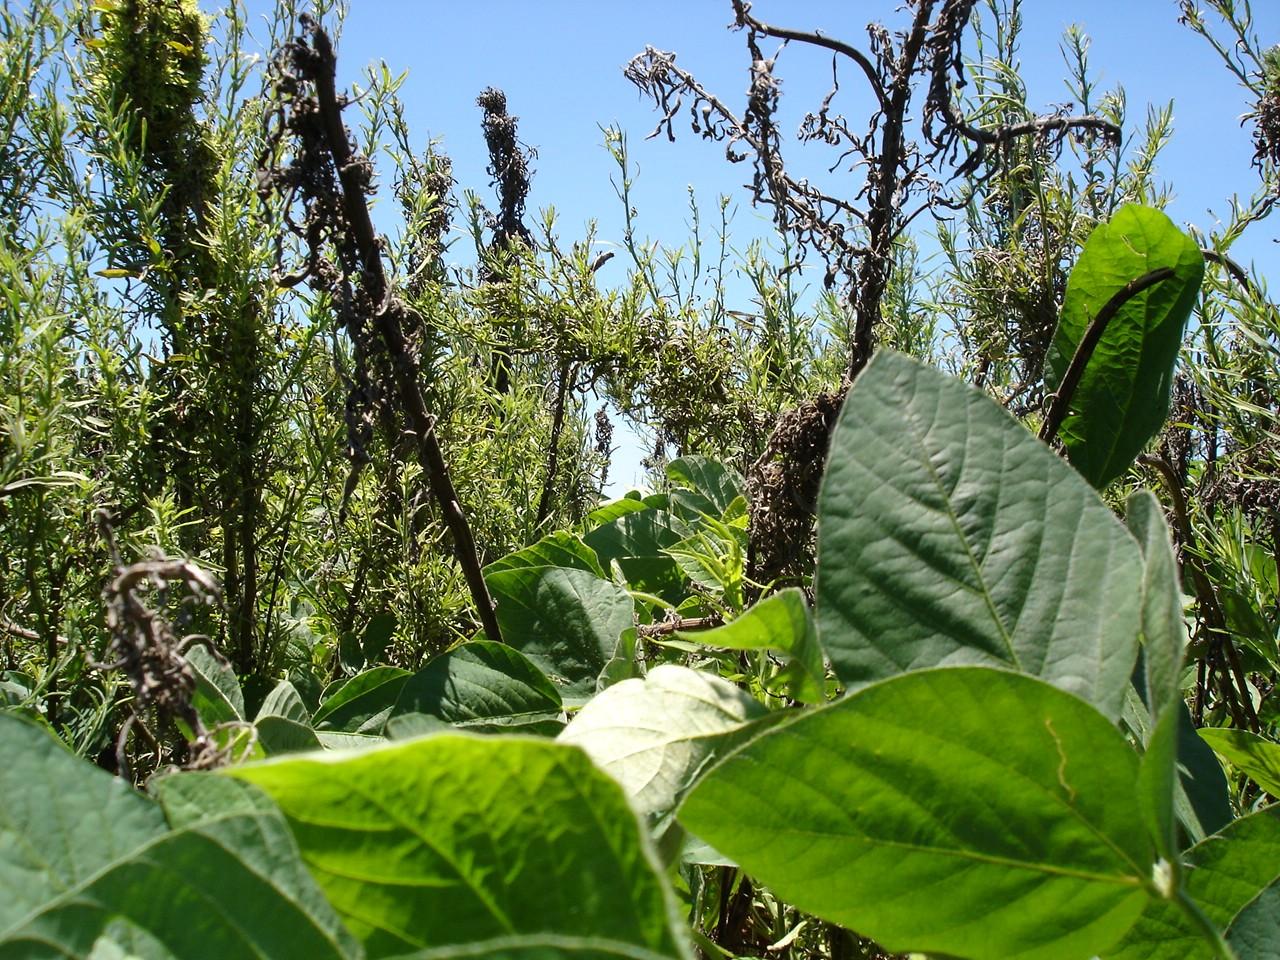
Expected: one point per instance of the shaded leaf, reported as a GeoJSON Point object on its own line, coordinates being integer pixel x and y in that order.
{"type": "Point", "coordinates": [947, 535]}
{"type": "Point", "coordinates": [1249, 753]}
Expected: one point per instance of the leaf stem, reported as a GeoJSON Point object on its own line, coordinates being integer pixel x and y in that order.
{"type": "Point", "coordinates": [1212, 935]}
{"type": "Point", "coordinates": [1089, 343]}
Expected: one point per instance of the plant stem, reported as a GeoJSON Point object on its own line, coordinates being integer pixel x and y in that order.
{"type": "Point", "coordinates": [1208, 929]}
{"type": "Point", "coordinates": [1089, 343]}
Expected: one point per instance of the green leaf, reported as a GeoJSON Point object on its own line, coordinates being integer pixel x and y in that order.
{"type": "Point", "coordinates": [473, 845]}
{"type": "Point", "coordinates": [559, 549]}
{"type": "Point", "coordinates": [88, 866]}
{"type": "Point", "coordinates": [718, 484]}
{"type": "Point", "coordinates": [1255, 932]}
{"type": "Point", "coordinates": [377, 636]}
{"type": "Point", "coordinates": [656, 735]}
{"type": "Point", "coordinates": [1123, 398]}
{"type": "Point", "coordinates": [780, 622]}
{"type": "Point", "coordinates": [1252, 755]}
{"type": "Point", "coordinates": [947, 535]}
{"type": "Point", "coordinates": [363, 703]}
{"type": "Point", "coordinates": [642, 533]}
{"type": "Point", "coordinates": [570, 623]}
{"type": "Point", "coordinates": [279, 735]}
{"type": "Point", "coordinates": [1224, 874]}
{"type": "Point", "coordinates": [218, 697]}
{"type": "Point", "coordinates": [1163, 639]}
{"type": "Point", "coordinates": [966, 811]}
{"type": "Point", "coordinates": [484, 685]}
{"type": "Point", "coordinates": [285, 701]}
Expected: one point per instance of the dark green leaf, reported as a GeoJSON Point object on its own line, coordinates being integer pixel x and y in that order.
{"type": "Point", "coordinates": [363, 703]}
{"type": "Point", "coordinates": [570, 623]}
{"type": "Point", "coordinates": [89, 867]}
{"type": "Point", "coordinates": [1123, 398]}
{"type": "Point", "coordinates": [947, 534]}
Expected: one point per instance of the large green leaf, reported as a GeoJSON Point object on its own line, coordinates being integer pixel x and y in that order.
{"type": "Point", "coordinates": [1249, 753]}
{"type": "Point", "coordinates": [570, 623]}
{"type": "Point", "coordinates": [780, 622]}
{"type": "Point", "coordinates": [474, 845]}
{"type": "Point", "coordinates": [947, 534]}
{"type": "Point", "coordinates": [1225, 873]}
{"type": "Point", "coordinates": [88, 866]}
{"type": "Point", "coordinates": [655, 735]}
{"type": "Point", "coordinates": [965, 811]}
{"type": "Point", "coordinates": [637, 533]}
{"type": "Point", "coordinates": [482, 684]}
{"type": "Point", "coordinates": [1123, 398]}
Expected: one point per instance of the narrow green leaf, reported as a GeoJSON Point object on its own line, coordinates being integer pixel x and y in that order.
{"type": "Point", "coordinates": [570, 623]}
{"type": "Point", "coordinates": [89, 867]}
{"type": "Point", "coordinates": [1163, 639]}
{"type": "Point", "coordinates": [457, 843]}
{"type": "Point", "coordinates": [966, 811]}
{"type": "Point", "coordinates": [947, 535]}
{"type": "Point", "coordinates": [1254, 756]}
{"type": "Point", "coordinates": [654, 736]}
{"type": "Point", "coordinates": [1123, 398]}
{"type": "Point", "coordinates": [780, 622]}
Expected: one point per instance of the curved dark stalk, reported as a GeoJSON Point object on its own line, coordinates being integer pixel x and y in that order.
{"type": "Point", "coordinates": [387, 319]}
{"type": "Point", "coordinates": [1089, 343]}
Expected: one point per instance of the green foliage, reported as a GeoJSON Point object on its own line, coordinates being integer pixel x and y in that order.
{"type": "Point", "coordinates": [476, 846]}
{"type": "Point", "coordinates": [1122, 399]}
{"type": "Point", "coordinates": [925, 559]}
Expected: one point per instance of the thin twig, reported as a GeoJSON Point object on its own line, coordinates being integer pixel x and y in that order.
{"type": "Point", "coordinates": [1088, 343]}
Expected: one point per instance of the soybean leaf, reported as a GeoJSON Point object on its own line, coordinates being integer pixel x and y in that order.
{"type": "Point", "coordinates": [218, 697]}
{"type": "Point", "coordinates": [654, 736]}
{"type": "Point", "coordinates": [278, 735]}
{"type": "Point", "coordinates": [780, 622]}
{"type": "Point", "coordinates": [377, 636]}
{"type": "Point", "coordinates": [947, 534]}
{"type": "Point", "coordinates": [570, 623]}
{"type": "Point", "coordinates": [1224, 874]}
{"type": "Point", "coordinates": [1123, 398]}
{"type": "Point", "coordinates": [285, 701]}
{"type": "Point", "coordinates": [363, 703]}
{"type": "Point", "coordinates": [559, 549]}
{"type": "Point", "coordinates": [642, 533]}
{"type": "Point", "coordinates": [483, 684]}
{"type": "Point", "coordinates": [474, 845]}
{"type": "Point", "coordinates": [1255, 932]}
{"type": "Point", "coordinates": [88, 866]}
{"type": "Point", "coordinates": [1255, 756]}
{"type": "Point", "coordinates": [1163, 639]}
{"type": "Point", "coordinates": [718, 484]}
{"type": "Point", "coordinates": [966, 811]}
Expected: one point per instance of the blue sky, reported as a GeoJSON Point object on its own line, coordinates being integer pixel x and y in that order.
{"type": "Point", "coordinates": [560, 63]}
